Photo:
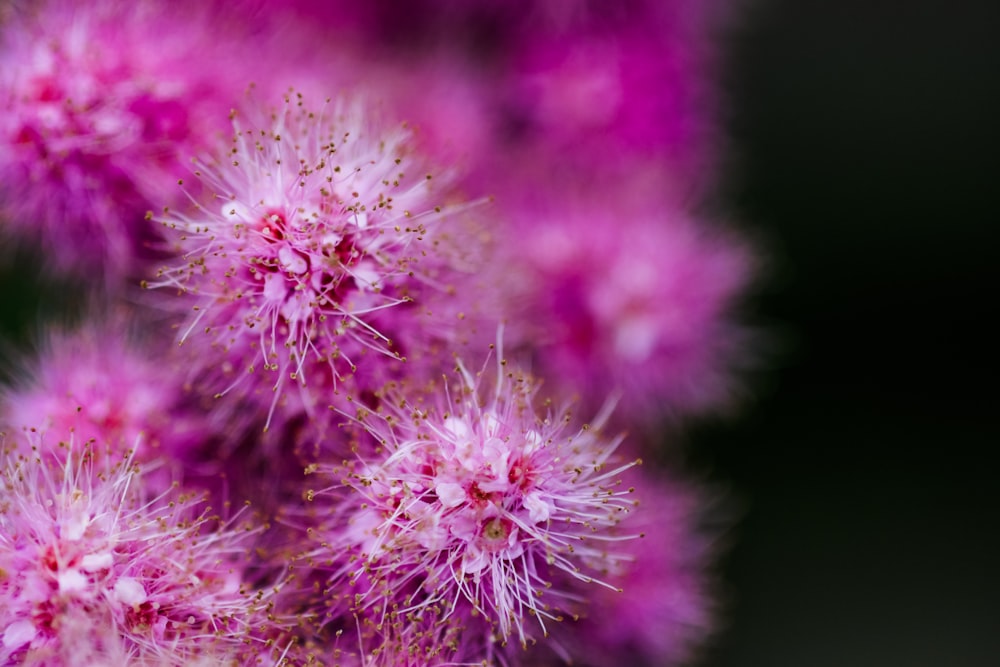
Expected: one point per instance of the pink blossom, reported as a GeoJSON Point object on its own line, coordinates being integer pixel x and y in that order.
{"type": "Point", "coordinates": [665, 607]}
{"type": "Point", "coordinates": [449, 103]}
{"type": "Point", "coordinates": [92, 566]}
{"type": "Point", "coordinates": [593, 97]}
{"type": "Point", "coordinates": [102, 105]}
{"type": "Point", "coordinates": [611, 83]}
{"type": "Point", "coordinates": [474, 505]}
{"type": "Point", "coordinates": [120, 390]}
{"type": "Point", "coordinates": [631, 293]}
{"type": "Point", "coordinates": [310, 255]}
{"type": "Point", "coordinates": [102, 384]}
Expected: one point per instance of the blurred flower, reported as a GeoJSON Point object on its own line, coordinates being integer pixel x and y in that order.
{"type": "Point", "coordinates": [322, 282]}
{"type": "Point", "coordinates": [628, 293]}
{"type": "Point", "coordinates": [102, 386]}
{"type": "Point", "coordinates": [102, 104]}
{"type": "Point", "coordinates": [664, 608]}
{"type": "Point", "coordinates": [597, 97]}
{"type": "Point", "coordinates": [596, 84]}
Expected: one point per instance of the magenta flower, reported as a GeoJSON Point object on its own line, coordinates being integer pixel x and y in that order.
{"type": "Point", "coordinates": [119, 391]}
{"type": "Point", "coordinates": [591, 97]}
{"type": "Point", "coordinates": [91, 566]}
{"type": "Point", "coordinates": [665, 606]}
{"type": "Point", "coordinates": [632, 294]}
{"type": "Point", "coordinates": [474, 505]}
{"type": "Point", "coordinates": [630, 80]}
{"type": "Point", "coordinates": [325, 278]}
{"type": "Point", "coordinates": [100, 385]}
{"type": "Point", "coordinates": [321, 229]}
{"type": "Point", "coordinates": [102, 106]}
{"type": "Point", "coordinates": [449, 103]}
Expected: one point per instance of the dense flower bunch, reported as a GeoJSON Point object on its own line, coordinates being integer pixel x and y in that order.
{"type": "Point", "coordinates": [93, 570]}
{"type": "Point", "coordinates": [477, 504]}
{"type": "Point", "coordinates": [100, 103]}
{"type": "Point", "coordinates": [339, 211]}
{"type": "Point", "coordinates": [316, 224]}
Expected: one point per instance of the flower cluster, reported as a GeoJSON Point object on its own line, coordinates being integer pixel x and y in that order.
{"type": "Point", "coordinates": [98, 385]}
{"type": "Point", "coordinates": [93, 568]}
{"type": "Point", "coordinates": [316, 224]}
{"type": "Point", "coordinates": [633, 303]}
{"type": "Point", "coordinates": [479, 505]}
{"type": "Point", "coordinates": [101, 103]}
{"type": "Point", "coordinates": [337, 210]}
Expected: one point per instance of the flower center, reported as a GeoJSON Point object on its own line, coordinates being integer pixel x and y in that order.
{"type": "Point", "coordinates": [496, 530]}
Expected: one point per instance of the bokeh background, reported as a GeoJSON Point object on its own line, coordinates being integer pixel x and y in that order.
{"type": "Point", "coordinates": [864, 153]}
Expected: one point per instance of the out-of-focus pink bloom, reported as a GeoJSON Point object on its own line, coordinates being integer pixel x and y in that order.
{"type": "Point", "coordinates": [310, 254]}
{"type": "Point", "coordinates": [665, 607]}
{"type": "Point", "coordinates": [596, 84]}
{"type": "Point", "coordinates": [102, 104]}
{"type": "Point", "coordinates": [100, 385]}
{"type": "Point", "coordinates": [475, 506]}
{"type": "Point", "coordinates": [119, 391]}
{"type": "Point", "coordinates": [625, 290]}
{"type": "Point", "coordinates": [587, 81]}
{"type": "Point", "coordinates": [597, 97]}
{"type": "Point", "coordinates": [94, 568]}
{"type": "Point", "coordinates": [448, 102]}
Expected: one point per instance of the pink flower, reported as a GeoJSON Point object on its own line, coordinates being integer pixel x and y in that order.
{"type": "Point", "coordinates": [321, 231]}
{"type": "Point", "coordinates": [102, 105]}
{"type": "Point", "coordinates": [631, 293]}
{"type": "Point", "coordinates": [474, 505]}
{"type": "Point", "coordinates": [119, 390]}
{"type": "Point", "coordinates": [665, 606]}
{"type": "Point", "coordinates": [590, 98]}
{"type": "Point", "coordinates": [630, 80]}
{"type": "Point", "coordinates": [449, 103]}
{"type": "Point", "coordinates": [101, 385]}
{"type": "Point", "coordinates": [93, 567]}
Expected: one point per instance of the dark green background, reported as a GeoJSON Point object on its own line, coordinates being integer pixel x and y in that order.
{"type": "Point", "coordinates": [866, 139]}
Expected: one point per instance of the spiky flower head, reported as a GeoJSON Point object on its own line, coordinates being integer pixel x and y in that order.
{"type": "Point", "coordinates": [320, 228]}
{"type": "Point", "coordinates": [101, 105]}
{"type": "Point", "coordinates": [475, 505]}
{"type": "Point", "coordinates": [92, 568]}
